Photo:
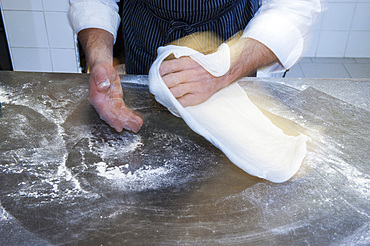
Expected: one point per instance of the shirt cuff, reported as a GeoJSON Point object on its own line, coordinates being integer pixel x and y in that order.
{"type": "Point", "coordinates": [281, 36]}
{"type": "Point", "coordinates": [93, 15]}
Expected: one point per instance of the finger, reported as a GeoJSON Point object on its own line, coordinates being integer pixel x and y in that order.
{"type": "Point", "coordinates": [116, 124]}
{"type": "Point", "coordinates": [173, 79]}
{"type": "Point", "coordinates": [189, 100]}
{"type": "Point", "coordinates": [176, 65]}
{"type": "Point", "coordinates": [192, 94]}
{"type": "Point", "coordinates": [132, 124]}
{"type": "Point", "coordinates": [125, 119]}
{"type": "Point", "coordinates": [182, 89]}
{"type": "Point", "coordinates": [109, 110]}
{"type": "Point", "coordinates": [132, 121]}
{"type": "Point", "coordinates": [185, 76]}
{"type": "Point", "coordinates": [110, 118]}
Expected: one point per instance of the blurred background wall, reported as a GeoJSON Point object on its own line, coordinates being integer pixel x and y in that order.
{"type": "Point", "coordinates": [39, 37]}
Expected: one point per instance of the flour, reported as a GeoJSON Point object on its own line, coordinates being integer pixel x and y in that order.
{"type": "Point", "coordinates": [4, 214]}
{"type": "Point", "coordinates": [83, 181]}
{"type": "Point", "coordinates": [144, 178]}
{"type": "Point", "coordinates": [127, 162]}
{"type": "Point", "coordinates": [135, 79]}
{"type": "Point", "coordinates": [116, 146]}
{"type": "Point", "coordinates": [4, 96]}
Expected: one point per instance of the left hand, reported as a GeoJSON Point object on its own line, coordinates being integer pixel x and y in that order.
{"type": "Point", "coordinates": [189, 82]}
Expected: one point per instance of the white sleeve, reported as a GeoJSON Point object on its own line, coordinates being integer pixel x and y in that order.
{"type": "Point", "coordinates": [283, 26]}
{"type": "Point", "coordinates": [101, 14]}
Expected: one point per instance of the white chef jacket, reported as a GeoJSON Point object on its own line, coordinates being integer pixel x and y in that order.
{"type": "Point", "coordinates": [282, 25]}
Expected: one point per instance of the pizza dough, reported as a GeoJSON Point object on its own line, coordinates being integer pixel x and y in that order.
{"type": "Point", "coordinates": [231, 122]}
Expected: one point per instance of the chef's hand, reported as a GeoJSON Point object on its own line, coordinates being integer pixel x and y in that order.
{"type": "Point", "coordinates": [107, 98]}
{"type": "Point", "coordinates": [189, 82]}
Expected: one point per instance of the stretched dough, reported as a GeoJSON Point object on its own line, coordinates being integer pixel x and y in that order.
{"type": "Point", "coordinates": [231, 122]}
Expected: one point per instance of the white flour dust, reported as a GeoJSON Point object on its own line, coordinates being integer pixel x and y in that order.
{"type": "Point", "coordinates": [41, 157]}
{"type": "Point", "coordinates": [129, 162]}
{"type": "Point", "coordinates": [4, 215]}
{"type": "Point", "coordinates": [144, 178]}
{"type": "Point", "coordinates": [115, 147]}
{"type": "Point", "coordinates": [4, 95]}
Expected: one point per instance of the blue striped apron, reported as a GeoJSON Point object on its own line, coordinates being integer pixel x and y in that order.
{"type": "Point", "coordinates": [148, 24]}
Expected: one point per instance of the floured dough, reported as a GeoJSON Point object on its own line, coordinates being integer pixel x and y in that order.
{"type": "Point", "coordinates": [231, 122]}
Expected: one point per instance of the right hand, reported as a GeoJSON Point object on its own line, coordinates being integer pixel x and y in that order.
{"type": "Point", "coordinates": [107, 97]}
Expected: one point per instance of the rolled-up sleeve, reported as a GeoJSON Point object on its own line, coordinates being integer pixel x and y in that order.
{"type": "Point", "coordinates": [283, 26]}
{"type": "Point", "coordinates": [101, 14]}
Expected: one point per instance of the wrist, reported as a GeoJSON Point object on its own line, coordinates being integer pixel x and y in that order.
{"type": "Point", "coordinates": [247, 56]}
{"type": "Point", "coordinates": [97, 45]}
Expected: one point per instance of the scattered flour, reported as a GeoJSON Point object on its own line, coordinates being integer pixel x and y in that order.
{"type": "Point", "coordinates": [3, 214]}
{"type": "Point", "coordinates": [4, 96]}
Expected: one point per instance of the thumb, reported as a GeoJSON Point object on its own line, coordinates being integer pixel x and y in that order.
{"type": "Point", "coordinates": [102, 77]}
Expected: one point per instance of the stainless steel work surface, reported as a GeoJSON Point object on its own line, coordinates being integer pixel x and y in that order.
{"type": "Point", "coordinates": [66, 178]}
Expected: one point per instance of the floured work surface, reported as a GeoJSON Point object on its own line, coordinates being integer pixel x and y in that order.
{"type": "Point", "coordinates": [67, 178]}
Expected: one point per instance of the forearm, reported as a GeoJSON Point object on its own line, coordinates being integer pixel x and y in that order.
{"type": "Point", "coordinates": [247, 56]}
{"type": "Point", "coordinates": [97, 45]}
{"type": "Point", "coordinates": [284, 27]}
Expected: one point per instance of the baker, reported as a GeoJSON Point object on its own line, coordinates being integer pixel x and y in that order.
{"type": "Point", "coordinates": [274, 37]}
